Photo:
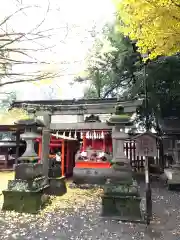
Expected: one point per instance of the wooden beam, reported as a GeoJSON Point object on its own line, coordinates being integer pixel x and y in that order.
{"type": "Point", "coordinates": [68, 155]}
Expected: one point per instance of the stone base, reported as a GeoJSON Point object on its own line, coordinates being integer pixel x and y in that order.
{"type": "Point", "coordinates": [26, 202]}
{"type": "Point", "coordinates": [121, 201]}
{"type": "Point", "coordinates": [124, 208]}
{"type": "Point", "coordinates": [173, 178]}
{"type": "Point", "coordinates": [57, 186]}
{"type": "Point", "coordinates": [90, 175]}
{"type": "Point", "coordinates": [98, 175]}
{"type": "Point", "coordinates": [27, 185]}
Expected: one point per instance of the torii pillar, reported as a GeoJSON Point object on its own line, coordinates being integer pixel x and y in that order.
{"type": "Point", "coordinates": [45, 143]}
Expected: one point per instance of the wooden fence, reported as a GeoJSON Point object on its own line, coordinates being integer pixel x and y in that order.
{"type": "Point", "coordinates": [138, 162]}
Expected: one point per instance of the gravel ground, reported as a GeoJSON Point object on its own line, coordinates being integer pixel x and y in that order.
{"type": "Point", "coordinates": [76, 215]}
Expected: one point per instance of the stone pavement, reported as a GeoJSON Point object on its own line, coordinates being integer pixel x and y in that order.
{"type": "Point", "coordinates": [84, 222]}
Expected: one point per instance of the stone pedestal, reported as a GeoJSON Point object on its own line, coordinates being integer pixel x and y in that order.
{"type": "Point", "coordinates": [26, 202]}
{"type": "Point", "coordinates": [121, 201]}
{"type": "Point", "coordinates": [173, 177]}
{"type": "Point", "coordinates": [26, 194]}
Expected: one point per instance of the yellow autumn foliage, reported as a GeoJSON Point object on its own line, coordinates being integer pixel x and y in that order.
{"type": "Point", "coordinates": [154, 24]}
{"type": "Point", "coordinates": [9, 117]}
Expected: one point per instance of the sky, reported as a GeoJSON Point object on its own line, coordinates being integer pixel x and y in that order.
{"type": "Point", "coordinates": [69, 38]}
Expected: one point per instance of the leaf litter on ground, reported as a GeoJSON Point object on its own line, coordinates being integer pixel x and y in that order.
{"type": "Point", "coordinates": [74, 199]}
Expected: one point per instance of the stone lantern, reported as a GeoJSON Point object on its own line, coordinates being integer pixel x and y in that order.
{"type": "Point", "coordinates": [121, 199]}
{"type": "Point", "coordinates": [26, 193]}
{"type": "Point", "coordinates": [29, 135]}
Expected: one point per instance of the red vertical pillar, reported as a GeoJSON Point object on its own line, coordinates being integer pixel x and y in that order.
{"type": "Point", "coordinates": [63, 157]}
{"type": "Point", "coordinates": [68, 157]}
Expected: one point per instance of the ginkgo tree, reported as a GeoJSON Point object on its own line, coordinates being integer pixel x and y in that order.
{"type": "Point", "coordinates": [154, 24]}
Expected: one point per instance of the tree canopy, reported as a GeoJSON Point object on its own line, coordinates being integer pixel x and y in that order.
{"type": "Point", "coordinates": [163, 90]}
{"type": "Point", "coordinates": [154, 24]}
{"type": "Point", "coordinates": [119, 71]}
{"type": "Point", "coordinates": [110, 64]}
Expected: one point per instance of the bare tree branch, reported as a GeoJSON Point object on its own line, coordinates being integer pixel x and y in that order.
{"type": "Point", "coordinates": [11, 15]}
{"type": "Point", "coordinates": [38, 78]}
{"type": "Point", "coordinates": [8, 59]}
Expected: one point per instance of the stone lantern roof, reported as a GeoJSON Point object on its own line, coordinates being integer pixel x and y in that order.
{"type": "Point", "coordinates": [30, 122]}
{"type": "Point", "coordinates": [120, 117]}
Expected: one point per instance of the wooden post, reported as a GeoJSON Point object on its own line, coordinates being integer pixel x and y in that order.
{"type": "Point", "coordinates": [84, 141]}
{"type": "Point", "coordinates": [68, 156]}
{"type": "Point", "coordinates": [17, 146]}
{"type": "Point", "coordinates": [45, 144]}
{"type": "Point", "coordinates": [62, 157]}
{"type": "Point", "coordinates": [161, 154]}
{"type": "Point", "coordinates": [148, 191]}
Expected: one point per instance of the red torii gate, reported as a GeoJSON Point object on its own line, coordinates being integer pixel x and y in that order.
{"type": "Point", "coordinates": [68, 148]}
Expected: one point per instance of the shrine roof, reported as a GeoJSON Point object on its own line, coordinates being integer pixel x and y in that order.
{"type": "Point", "coordinates": [11, 127]}
{"type": "Point", "coordinates": [145, 133]}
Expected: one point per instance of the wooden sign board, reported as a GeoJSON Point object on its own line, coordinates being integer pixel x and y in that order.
{"type": "Point", "coordinates": [146, 146]}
